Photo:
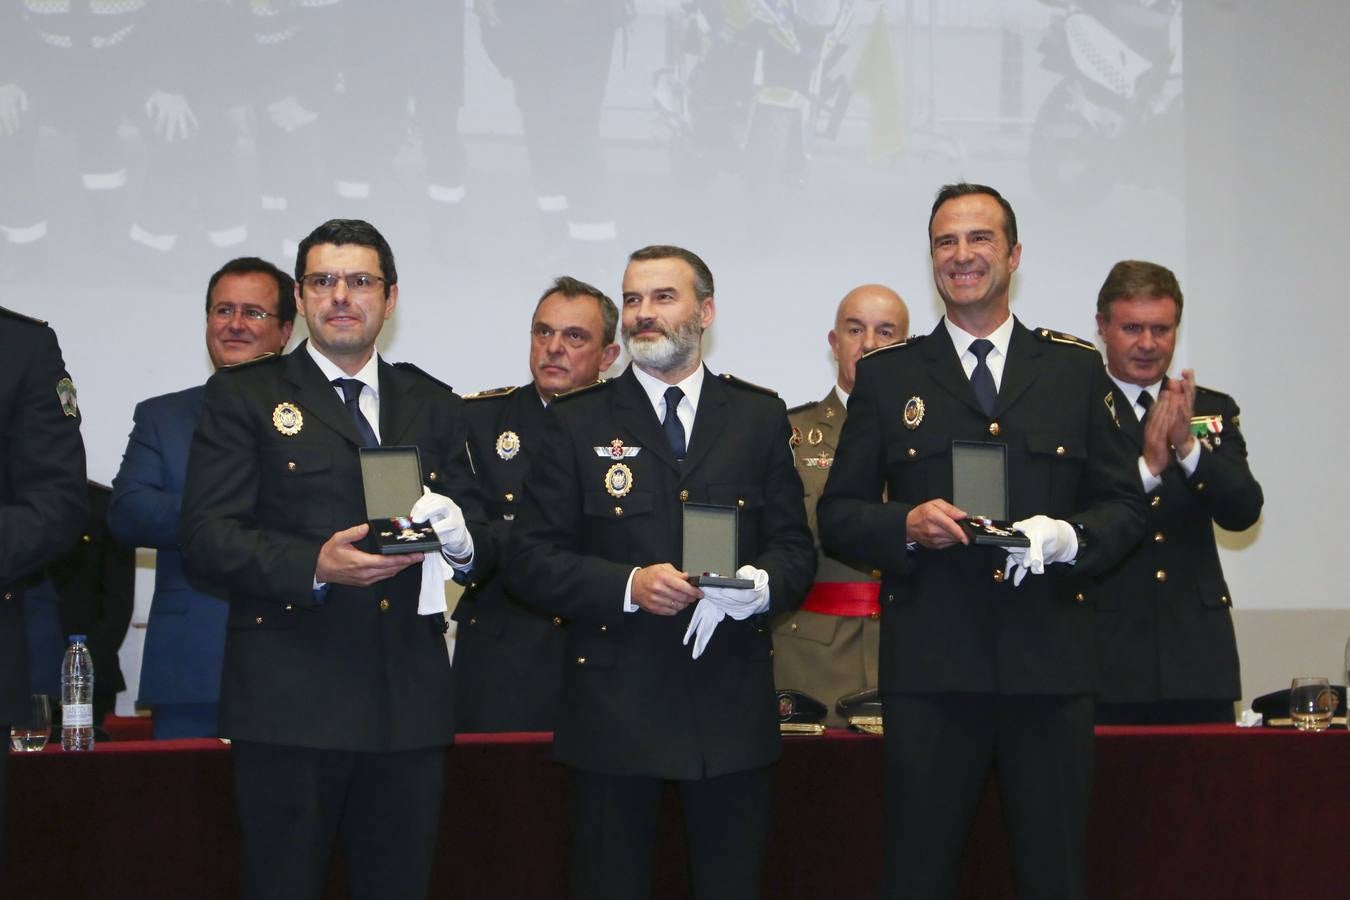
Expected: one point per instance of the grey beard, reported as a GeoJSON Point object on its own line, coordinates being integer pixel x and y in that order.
{"type": "Point", "coordinates": [671, 351]}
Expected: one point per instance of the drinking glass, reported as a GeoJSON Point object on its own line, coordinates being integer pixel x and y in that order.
{"type": "Point", "coordinates": [1311, 703]}
{"type": "Point", "coordinates": [31, 734]}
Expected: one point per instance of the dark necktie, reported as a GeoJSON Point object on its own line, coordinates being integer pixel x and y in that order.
{"type": "Point", "coordinates": [351, 394]}
{"type": "Point", "coordinates": [1146, 401]}
{"type": "Point", "coordinates": [981, 379]}
{"type": "Point", "coordinates": [671, 424]}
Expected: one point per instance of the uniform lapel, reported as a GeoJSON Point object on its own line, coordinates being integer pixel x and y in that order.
{"type": "Point", "coordinates": [635, 414]}
{"type": "Point", "coordinates": [710, 420]}
{"type": "Point", "coordinates": [317, 396]}
{"type": "Point", "coordinates": [400, 402]}
{"type": "Point", "coordinates": [1018, 370]}
{"type": "Point", "coordinates": [944, 367]}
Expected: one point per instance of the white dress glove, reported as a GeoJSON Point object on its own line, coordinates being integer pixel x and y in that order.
{"type": "Point", "coordinates": [742, 603]}
{"type": "Point", "coordinates": [702, 625]}
{"type": "Point", "coordinates": [1052, 541]}
{"type": "Point", "coordinates": [444, 515]}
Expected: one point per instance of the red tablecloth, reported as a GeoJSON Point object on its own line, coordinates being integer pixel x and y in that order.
{"type": "Point", "coordinates": [1209, 811]}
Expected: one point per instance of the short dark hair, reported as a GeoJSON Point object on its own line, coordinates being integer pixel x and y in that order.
{"type": "Point", "coordinates": [571, 288]}
{"type": "Point", "coordinates": [252, 265]}
{"type": "Point", "coordinates": [1136, 278]}
{"type": "Point", "coordinates": [350, 231]}
{"type": "Point", "coordinates": [965, 189]}
{"type": "Point", "coordinates": [703, 280]}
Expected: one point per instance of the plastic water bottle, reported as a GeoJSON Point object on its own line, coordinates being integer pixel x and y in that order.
{"type": "Point", "coordinates": [77, 696]}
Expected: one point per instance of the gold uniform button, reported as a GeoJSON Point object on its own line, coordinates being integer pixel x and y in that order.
{"type": "Point", "coordinates": [998, 576]}
{"type": "Point", "coordinates": [1160, 575]}
{"type": "Point", "coordinates": [1158, 538]}
{"type": "Point", "coordinates": [1079, 598]}
{"type": "Point", "coordinates": [384, 604]}
{"type": "Point", "coordinates": [1155, 502]}
{"type": "Point", "coordinates": [618, 510]}
{"type": "Point", "coordinates": [913, 453]}
{"type": "Point", "coordinates": [85, 538]}
{"type": "Point", "coordinates": [1225, 601]}
{"type": "Point", "coordinates": [258, 621]}
{"type": "Point", "coordinates": [740, 502]}
{"type": "Point", "coordinates": [1060, 451]}
{"type": "Point", "coordinates": [9, 595]}
{"type": "Point", "coordinates": [604, 628]}
{"type": "Point", "coordinates": [1199, 485]}
{"type": "Point", "coordinates": [581, 660]}
{"type": "Point", "coordinates": [994, 429]}
{"type": "Point", "coordinates": [290, 466]}
{"type": "Point", "coordinates": [473, 620]}
{"type": "Point", "coordinates": [431, 476]}
{"type": "Point", "coordinates": [510, 498]}
{"type": "Point", "coordinates": [794, 626]}
{"type": "Point", "coordinates": [557, 621]}
{"type": "Point", "coordinates": [684, 496]}
{"type": "Point", "coordinates": [876, 573]}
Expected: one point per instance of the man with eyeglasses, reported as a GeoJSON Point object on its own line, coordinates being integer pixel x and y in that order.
{"type": "Point", "coordinates": [336, 691]}
{"type": "Point", "coordinates": [250, 311]}
{"type": "Point", "coordinates": [508, 656]}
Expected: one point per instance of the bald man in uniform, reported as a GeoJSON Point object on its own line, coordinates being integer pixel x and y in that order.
{"type": "Point", "coordinates": [828, 648]}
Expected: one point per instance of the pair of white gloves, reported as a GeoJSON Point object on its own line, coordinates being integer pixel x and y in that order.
{"type": "Point", "coordinates": [1052, 541]}
{"type": "Point", "coordinates": [447, 520]}
{"type": "Point", "coordinates": [720, 602]}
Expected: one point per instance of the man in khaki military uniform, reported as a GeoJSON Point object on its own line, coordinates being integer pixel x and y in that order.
{"type": "Point", "coordinates": [828, 648]}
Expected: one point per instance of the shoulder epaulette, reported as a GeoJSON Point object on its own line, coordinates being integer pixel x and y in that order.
{"type": "Point", "coordinates": [907, 342]}
{"type": "Point", "coordinates": [738, 382]}
{"type": "Point", "coordinates": [1201, 389]}
{"type": "Point", "coordinates": [1060, 337]}
{"type": "Point", "coordinates": [11, 314]}
{"type": "Point", "coordinates": [585, 388]}
{"type": "Point", "coordinates": [488, 395]}
{"type": "Point", "coordinates": [803, 407]}
{"type": "Point", "coordinates": [266, 357]}
{"type": "Point", "coordinates": [416, 370]}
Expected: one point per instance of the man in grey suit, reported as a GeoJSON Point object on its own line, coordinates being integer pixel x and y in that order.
{"type": "Point", "coordinates": [336, 689]}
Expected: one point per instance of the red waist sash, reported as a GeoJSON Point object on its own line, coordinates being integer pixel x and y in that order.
{"type": "Point", "coordinates": [844, 598]}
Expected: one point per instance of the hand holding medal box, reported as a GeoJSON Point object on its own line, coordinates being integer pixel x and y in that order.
{"type": "Point", "coordinates": [391, 478]}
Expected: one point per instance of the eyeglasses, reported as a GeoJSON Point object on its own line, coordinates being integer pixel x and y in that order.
{"type": "Point", "coordinates": [224, 312]}
{"type": "Point", "coordinates": [572, 337]}
{"type": "Point", "coordinates": [321, 284]}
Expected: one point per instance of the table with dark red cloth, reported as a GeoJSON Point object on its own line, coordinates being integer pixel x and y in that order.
{"type": "Point", "coordinates": [1210, 811]}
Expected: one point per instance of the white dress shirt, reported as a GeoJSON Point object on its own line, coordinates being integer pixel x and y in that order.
{"type": "Point", "coordinates": [1000, 337]}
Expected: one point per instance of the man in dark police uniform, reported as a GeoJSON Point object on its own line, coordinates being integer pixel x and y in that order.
{"type": "Point", "coordinates": [43, 498]}
{"type": "Point", "coordinates": [336, 688]}
{"type": "Point", "coordinates": [508, 656]}
{"type": "Point", "coordinates": [597, 541]}
{"type": "Point", "coordinates": [980, 667]}
{"type": "Point", "coordinates": [1164, 630]}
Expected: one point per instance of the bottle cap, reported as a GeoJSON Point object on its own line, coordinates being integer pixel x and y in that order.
{"type": "Point", "coordinates": [76, 638]}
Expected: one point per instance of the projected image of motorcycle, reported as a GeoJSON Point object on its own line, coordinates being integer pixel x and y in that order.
{"type": "Point", "coordinates": [750, 85]}
{"type": "Point", "coordinates": [1115, 116]}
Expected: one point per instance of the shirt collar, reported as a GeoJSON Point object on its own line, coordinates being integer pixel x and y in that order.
{"type": "Point", "coordinates": [842, 395]}
{"type": "Point", "coordinates": [369, 375]}
{"type": "Point", "coordinates": [656, 388]}
{"type": "Point", "coordinates": [1000, 337]}
{"type": "Point", "coordinates": [1132, 391]}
